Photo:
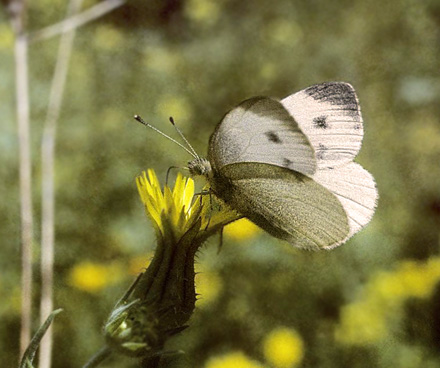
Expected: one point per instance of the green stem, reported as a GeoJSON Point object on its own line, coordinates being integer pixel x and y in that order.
{"type": "Point", "coordinates": [98, 358]}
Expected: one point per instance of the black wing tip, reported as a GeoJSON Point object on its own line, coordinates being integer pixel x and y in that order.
{"type": "Point", "coordinates": [336, 93]}
{"type": "Point", "coordinates": [331, 89]}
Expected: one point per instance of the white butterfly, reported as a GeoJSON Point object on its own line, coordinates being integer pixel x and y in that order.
{"type": "Point", "coordinates": [288, 165]}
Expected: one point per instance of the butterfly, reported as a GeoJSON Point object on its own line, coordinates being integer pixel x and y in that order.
{"type": "Point", "coordinates": [288, 165]}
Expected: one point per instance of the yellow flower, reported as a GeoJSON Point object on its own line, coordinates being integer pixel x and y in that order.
{"type": "Point", "coordinates": [283, 348]}
{"type": "Point", "coordinates": [177, 208]}
{"type": "Point", "coordinates": [283, 32]}
{"type": "Point", "coordinates": [163, 60]}
{"type": "Point", "coordinates": [6, 36]}
{"type": "Point", "coordinates": [209, 285]}
{"type": "Point", "coordinates": [176, 106]}
{"type": "Point", "coordinates": [176, 205]}
{"type": "Point", "coordinates": [365, 321]}
{"type": "Point", "coordinates": [242, 229]}
{"type": "Point", "coordinates": [203, 11]}
{"type": "Point", "coordinates": [162, 298]}
{"type": "Point", "coordinates": [108, 38]}
{"type": "Point", "coordinates": [417, 280]}
{"type": "Point", "coordinates": [93, 277]}
{"type": "Point", "coordinates": [232, 360]}
{"type": "Point", "coordinates": [361, 323]}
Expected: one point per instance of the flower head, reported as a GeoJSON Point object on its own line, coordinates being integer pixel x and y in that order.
{"type": "Point", "coordinates": [179, 209]}
{"type": "Point", "coordinates": [162, 299]}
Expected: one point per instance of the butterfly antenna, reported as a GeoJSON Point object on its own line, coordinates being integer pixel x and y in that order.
{"type": "Point", "coordinates": [183, 137]}
{"type": "Point", "coordinates": [142, 121]}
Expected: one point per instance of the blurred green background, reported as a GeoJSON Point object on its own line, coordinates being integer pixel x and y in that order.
{"type": "Point", "coordinates": [373, 302]}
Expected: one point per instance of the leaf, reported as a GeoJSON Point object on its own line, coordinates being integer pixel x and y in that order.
{"type": "Point", "coordinates": [29, 354]}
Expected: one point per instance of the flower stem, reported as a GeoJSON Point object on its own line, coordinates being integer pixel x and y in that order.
{"type": "Point", "coordinates": [98, 358]}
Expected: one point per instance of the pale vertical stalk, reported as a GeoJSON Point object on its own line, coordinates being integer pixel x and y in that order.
{"type": "Point", "coordinates": [17, 9]}
{"type": "Point", "coordinates": [22, 96]}
{"type": "Point", "coordinates": [48, 179]}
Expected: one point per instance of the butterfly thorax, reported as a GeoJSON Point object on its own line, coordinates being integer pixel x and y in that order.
{"type": "Point", "coordinates": [200, 166]}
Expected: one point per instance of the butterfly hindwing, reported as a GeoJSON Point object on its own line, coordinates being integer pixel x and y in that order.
{"type": "Point", "coordinates": [330, 117]}
{"type": "Point", "coordinates": [355, 189]}
{"type": "Point", "coordinates": [261, 130]}
{"type": "Point", "coordinates": [287, 204]}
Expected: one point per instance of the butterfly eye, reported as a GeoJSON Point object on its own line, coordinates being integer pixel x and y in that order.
{"type": "Point", "coordinates": [199, 166]}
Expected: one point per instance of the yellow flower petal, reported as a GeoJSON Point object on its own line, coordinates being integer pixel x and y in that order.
{"type": "Point", "coordinates": [188, 194]}
{"type": "Point", "coordinates": [178, 205]}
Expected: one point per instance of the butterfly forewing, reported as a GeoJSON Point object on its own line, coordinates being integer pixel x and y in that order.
{"type": "Point", "coordinates": [330, 117]}
{"type": "Point", "coordinates": [261, 130]}
{"type": "Point", "coordinates": [287, 204]}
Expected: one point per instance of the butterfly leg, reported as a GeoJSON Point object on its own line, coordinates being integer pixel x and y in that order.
{"type": "Point", "coordinates": [210, 208]}
{"type": "Point", "coordinates": [169, 170]}
{"type": "Point", "coordinates": [201, 194]}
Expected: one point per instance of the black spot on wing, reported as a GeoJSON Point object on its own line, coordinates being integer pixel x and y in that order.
{"type": "Point", "coordinates": [357, 126]}
{"type": "Point", "coordinates": [336, 93]}
{"type": "Point", "coordinates": [321, 151]}
{"type": "Point", "coordinates": [320, 122]}
{"type": "Point", "coordinates": [273, 137]}
{"type": "Point", "coordinates": [287, 162]}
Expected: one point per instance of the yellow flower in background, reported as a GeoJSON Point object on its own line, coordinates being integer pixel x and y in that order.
{"type": "Point", "coordinates": [283, 32]}
{"type": "Point", "coordinates": [232, 360]}
{"type": "Point", "coordinates": [366, 320]}
{"type": "Point", "coordinates": [175, 106]}
{"type": "Point", "coordinates": [93, 277]}
{"type": "Point", "coordinates": [161, 59]}
{"type": "Point", "coordinates": [283, 348]}
{"type": "Point", "coordinates": [6, 36]}
{"type": "Point", "coordinates": [387, 287]}
{"type": "Point", "coordinates": [108, 38]}
{"type": "Point", "coordinates": [203, 11]}
{"type": "Point", "coordinates": [419, 280]}
{"type": "Point", "coordinates": [362, 323]}
{"type": "Point", "coordinates": [209, 285]}
{"type": "Point", "coordinates": [242, 229]}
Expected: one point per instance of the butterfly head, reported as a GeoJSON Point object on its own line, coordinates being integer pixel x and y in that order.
{"type": "Point", "coordinates": [199, 166]}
